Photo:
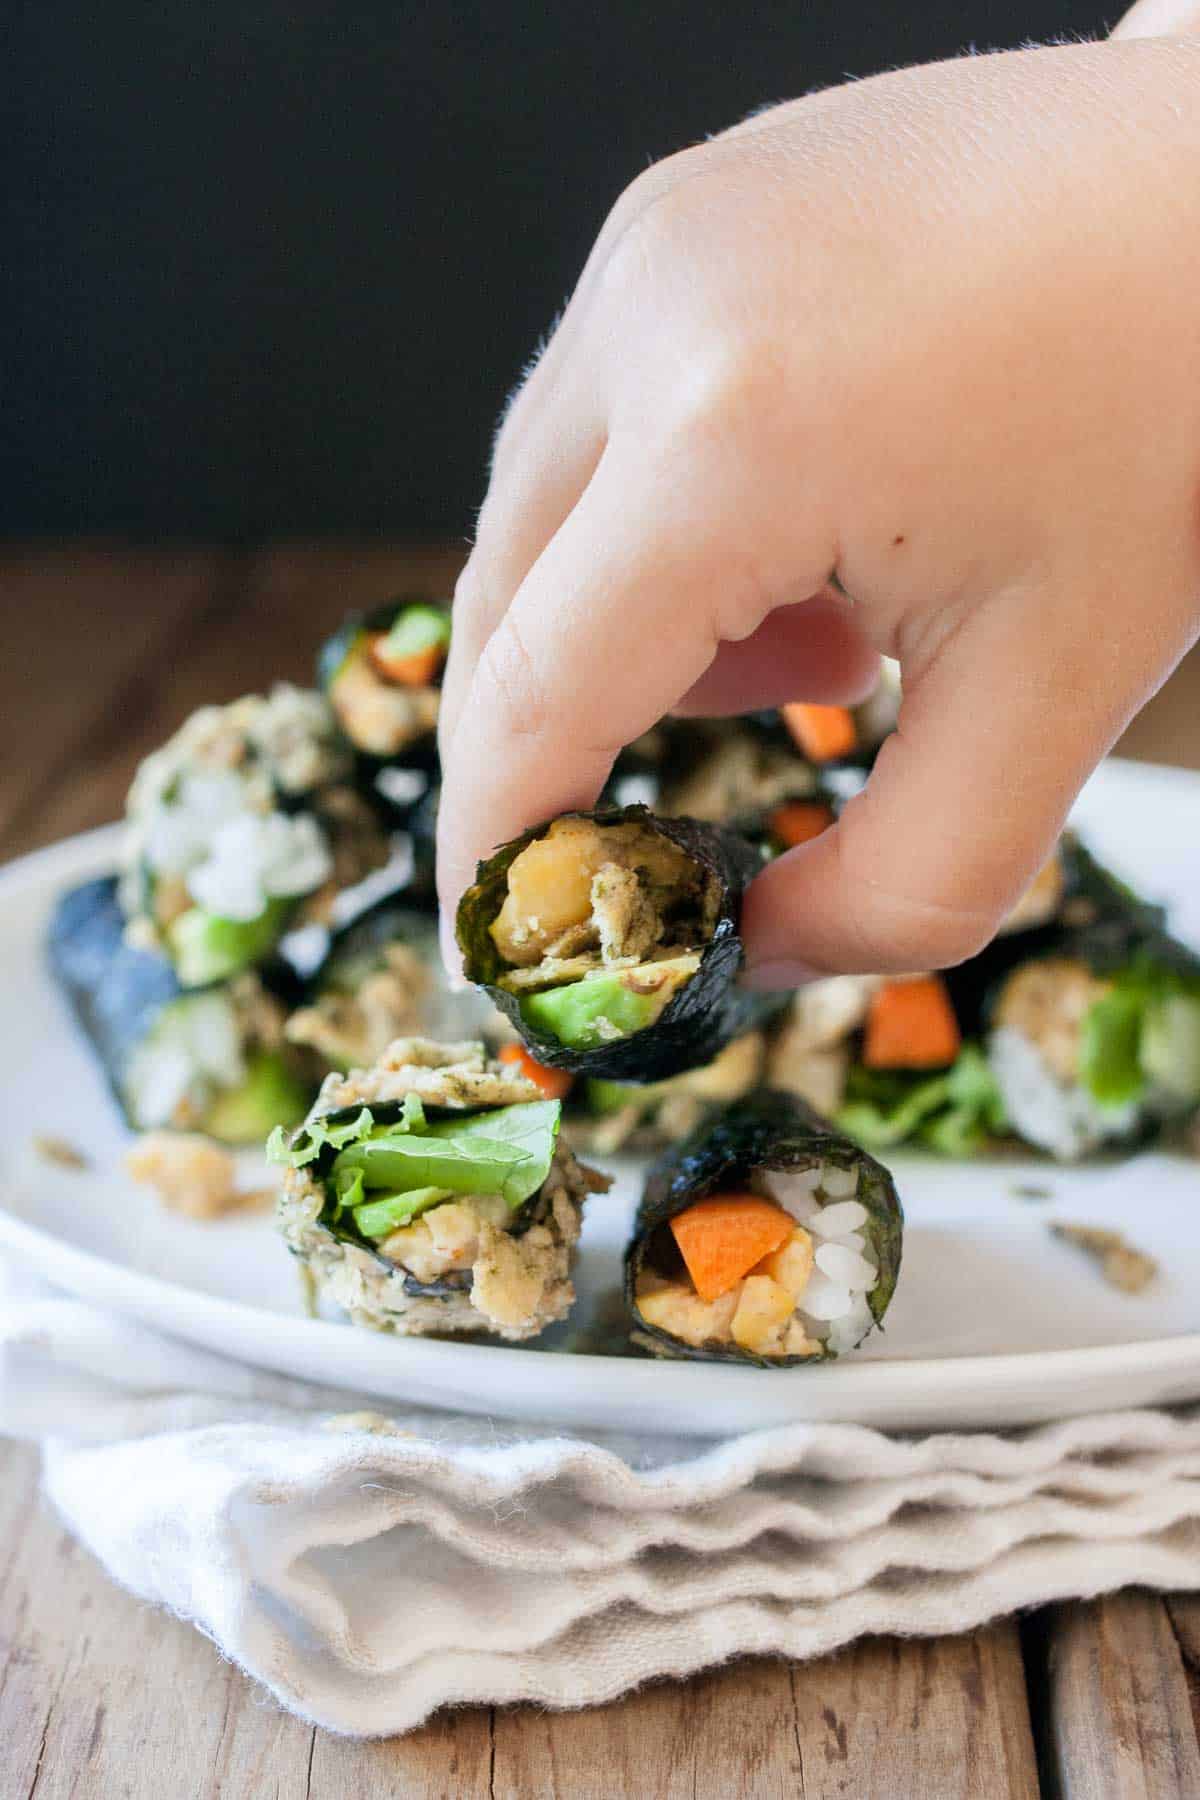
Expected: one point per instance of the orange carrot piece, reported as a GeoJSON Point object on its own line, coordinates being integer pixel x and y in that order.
{"type": "Point", "coordinates": [555, 1084]}
{"type": "Point", "coordinates": [911, 1025]}
{"type": "Point", "coordinates": [418, 670]}
{"type": "Point", "coordinates": [822, 733]}
{"type": "Point", "coordinates": [721, 1238]}
{"type": "Point", "coordinates": [799, 821]}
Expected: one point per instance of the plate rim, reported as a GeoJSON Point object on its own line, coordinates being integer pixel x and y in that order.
{"type": "Point", "coordinates": [979, 1379]}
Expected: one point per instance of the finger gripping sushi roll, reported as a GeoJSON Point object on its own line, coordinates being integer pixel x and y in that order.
{"type": "Point", "coordinates": [432, 1193]}
{"type": "Point", "coordinates": [383, 676]}
{"type": "Point", "coordinates": [244, 823]}
{"type": "Point", "coordinates": [767, 1238]}
{"type": "Point", "coordinates": [611, 941]}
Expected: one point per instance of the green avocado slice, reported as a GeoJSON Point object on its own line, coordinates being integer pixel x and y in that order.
{"type": "Point", "coordinates": [609, 1004]}
{"type": "Point", "coordinates": [205, 947]}
{"type": "Point", "coordinates": [416, 628]}
{"type": "Point", "coordinates": [378, 1218]}
{"type": "Point", "coordinates": [270, 1095]}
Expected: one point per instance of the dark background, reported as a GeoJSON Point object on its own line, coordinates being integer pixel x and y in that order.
{"type": "Point", "coordinates": [272, 268]}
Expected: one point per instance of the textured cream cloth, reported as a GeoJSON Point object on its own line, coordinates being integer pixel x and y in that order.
{"type": "Point", "coordinates": [368, 1579]}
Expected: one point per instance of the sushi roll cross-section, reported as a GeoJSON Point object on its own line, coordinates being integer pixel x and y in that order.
{"type": "Point", "coordinates": [610, 939]}
{"type": "Point", "coordinates": [766, 1238]}
{"type": "Point", "coordinates": [432, 1193]}
{"type": "Point", "coordinates": [243, 824]}
{"type": "Point", "coordinates": [383, 676]}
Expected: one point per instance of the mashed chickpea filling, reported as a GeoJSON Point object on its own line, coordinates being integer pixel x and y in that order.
{"type": "Point", "coordinates": [782, 1268]}
{"type": "Point", "coordinates": [386, 693]}
{"type": "Point", "coordinates": [600, 927]}
{"type": "Point", "coordinates": [431, 1194]}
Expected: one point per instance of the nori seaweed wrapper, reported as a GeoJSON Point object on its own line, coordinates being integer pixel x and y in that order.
{"type": "Point", "coordinates": [420, 757]}
{"type": "Point", "coordinates": [1100, 921]}
{"type": "Point", "coordinates": [771, 1130]}
{"type": "Point", "coordinates": [699, 1019]}
{"type": "Point", "coordinates": [115, 991]}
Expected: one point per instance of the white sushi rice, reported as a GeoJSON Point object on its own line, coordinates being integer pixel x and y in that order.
{"type": "Point", "coordinates": [251, 860]}
{"type": "Point", "coordinates": [835, 1308]}
{"type": "Point", "coordinates": [1057, 1116]}
{"type": "Point", "coordinates": [195, 1046]}
{"type": "Point", "coordinates": [204, 809]}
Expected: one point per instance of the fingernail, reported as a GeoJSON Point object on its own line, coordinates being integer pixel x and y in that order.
{"type": "Point", "coordinates": [776, 977]}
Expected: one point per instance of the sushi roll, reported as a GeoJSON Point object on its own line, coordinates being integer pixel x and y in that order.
{"type": "Point", "coordinates": [885, 1057]}
{"type": "Point", "coordinates": [610, 940]}
{"type": "Point", "coordinates": [766, 1238]}
{"type": "Point", "coordinates": [606, 1116]}
{"type": "Point", "coordinates": [213, 1061]}
{"type": "Point", "coordinates": [432, 1192]}
{"type": "Point", "coordinates": [1090, 1052]}
{"type": "Point", "coordinates": [383, 978]}
{"type": "Point", "coordinates": [383, 673]}
{"type": "Point", "coordinates": [244, 824]}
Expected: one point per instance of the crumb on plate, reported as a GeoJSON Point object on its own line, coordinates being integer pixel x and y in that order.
{"type": "Point", "coordinates": [1121, 1265]}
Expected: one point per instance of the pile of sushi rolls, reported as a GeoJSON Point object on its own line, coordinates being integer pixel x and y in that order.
{"type": "Point", "coordinates": [1076, 1030]}
{"type": "Point", "coordinates": [214, 1060]}
{"type": "Point", "coordinates": [607, 1116]}
{"type": "Point", "coordinates": [382, 978]}
{"type": "Point", "coordinates": [767, 1238]}
{"type": "Point", "coordinates": [382, 672]}
{"type": "Point", "coordinates": [243, 825]}
{"type": "Point", "coordinates": [611, 941]}
{"type": "Point", "coordinates": [886, 1059]}
{"type": "Point", "coordinates": [432, 1192]}
{"type": "Point", "coordinates": [898, 1059]}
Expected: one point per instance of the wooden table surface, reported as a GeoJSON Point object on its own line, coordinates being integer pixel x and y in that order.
{"type": "Point", "coordinates": [103, 1696]}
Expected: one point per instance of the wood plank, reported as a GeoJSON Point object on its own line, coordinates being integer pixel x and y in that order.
{"type": "Point", "coordinates": [103, 1696]}
{"type": "Point", "coordinates": [80, 623]}
{"type": "Point", "coordinates": [448, 1759]}
{"type": "Point", "coordinates": [1119, 1723]}
{"type": "Point", "coordinates": [918, 1717]}
{"type": "Point", "coordinates": [153, 636]}
{"type": "Point", "coordinates": [725, 1735]}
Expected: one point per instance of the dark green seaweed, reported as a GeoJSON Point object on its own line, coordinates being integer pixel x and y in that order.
{"type": "Point", "coordinates": [117, 992]}
{"type": "Point", "coordinates": [1101, 921]}
{"type": "Point", "coordinates": [768, 1131]}
{"type": "Point", "coordinates": [698, 1021]}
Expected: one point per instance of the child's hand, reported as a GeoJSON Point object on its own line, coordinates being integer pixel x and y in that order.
{"type": "Point", "coordinates": [937, 334]}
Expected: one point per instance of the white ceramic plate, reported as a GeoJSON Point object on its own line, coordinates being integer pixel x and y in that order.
{"type": "Point", "coordinates": [993, 1323]}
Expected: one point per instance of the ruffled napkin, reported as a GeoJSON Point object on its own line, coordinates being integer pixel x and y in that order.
{"type": "Point", "coordinates": [370, 1567]}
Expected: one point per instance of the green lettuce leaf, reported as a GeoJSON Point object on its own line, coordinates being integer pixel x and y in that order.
{"type": "Point", "coordinates": [507, 1151]}
{"type": "Point", "coordinates": [954, 1112]}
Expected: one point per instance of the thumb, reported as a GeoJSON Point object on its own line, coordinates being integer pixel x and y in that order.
{"type": "Point", "coordinates": [998, 731]}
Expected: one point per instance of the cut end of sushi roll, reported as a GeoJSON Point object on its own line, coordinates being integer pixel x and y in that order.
{"type": "Point", "coordinates": [243, 824]}
{"type": "Point", "coordinates": [609, 939]}
{"type": "Point", "coordinates": [432, 1193]}
{"type": "Point", "coordinates": [383, 676]}
{"type": "Point", "coordinates": [766, 1239]}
